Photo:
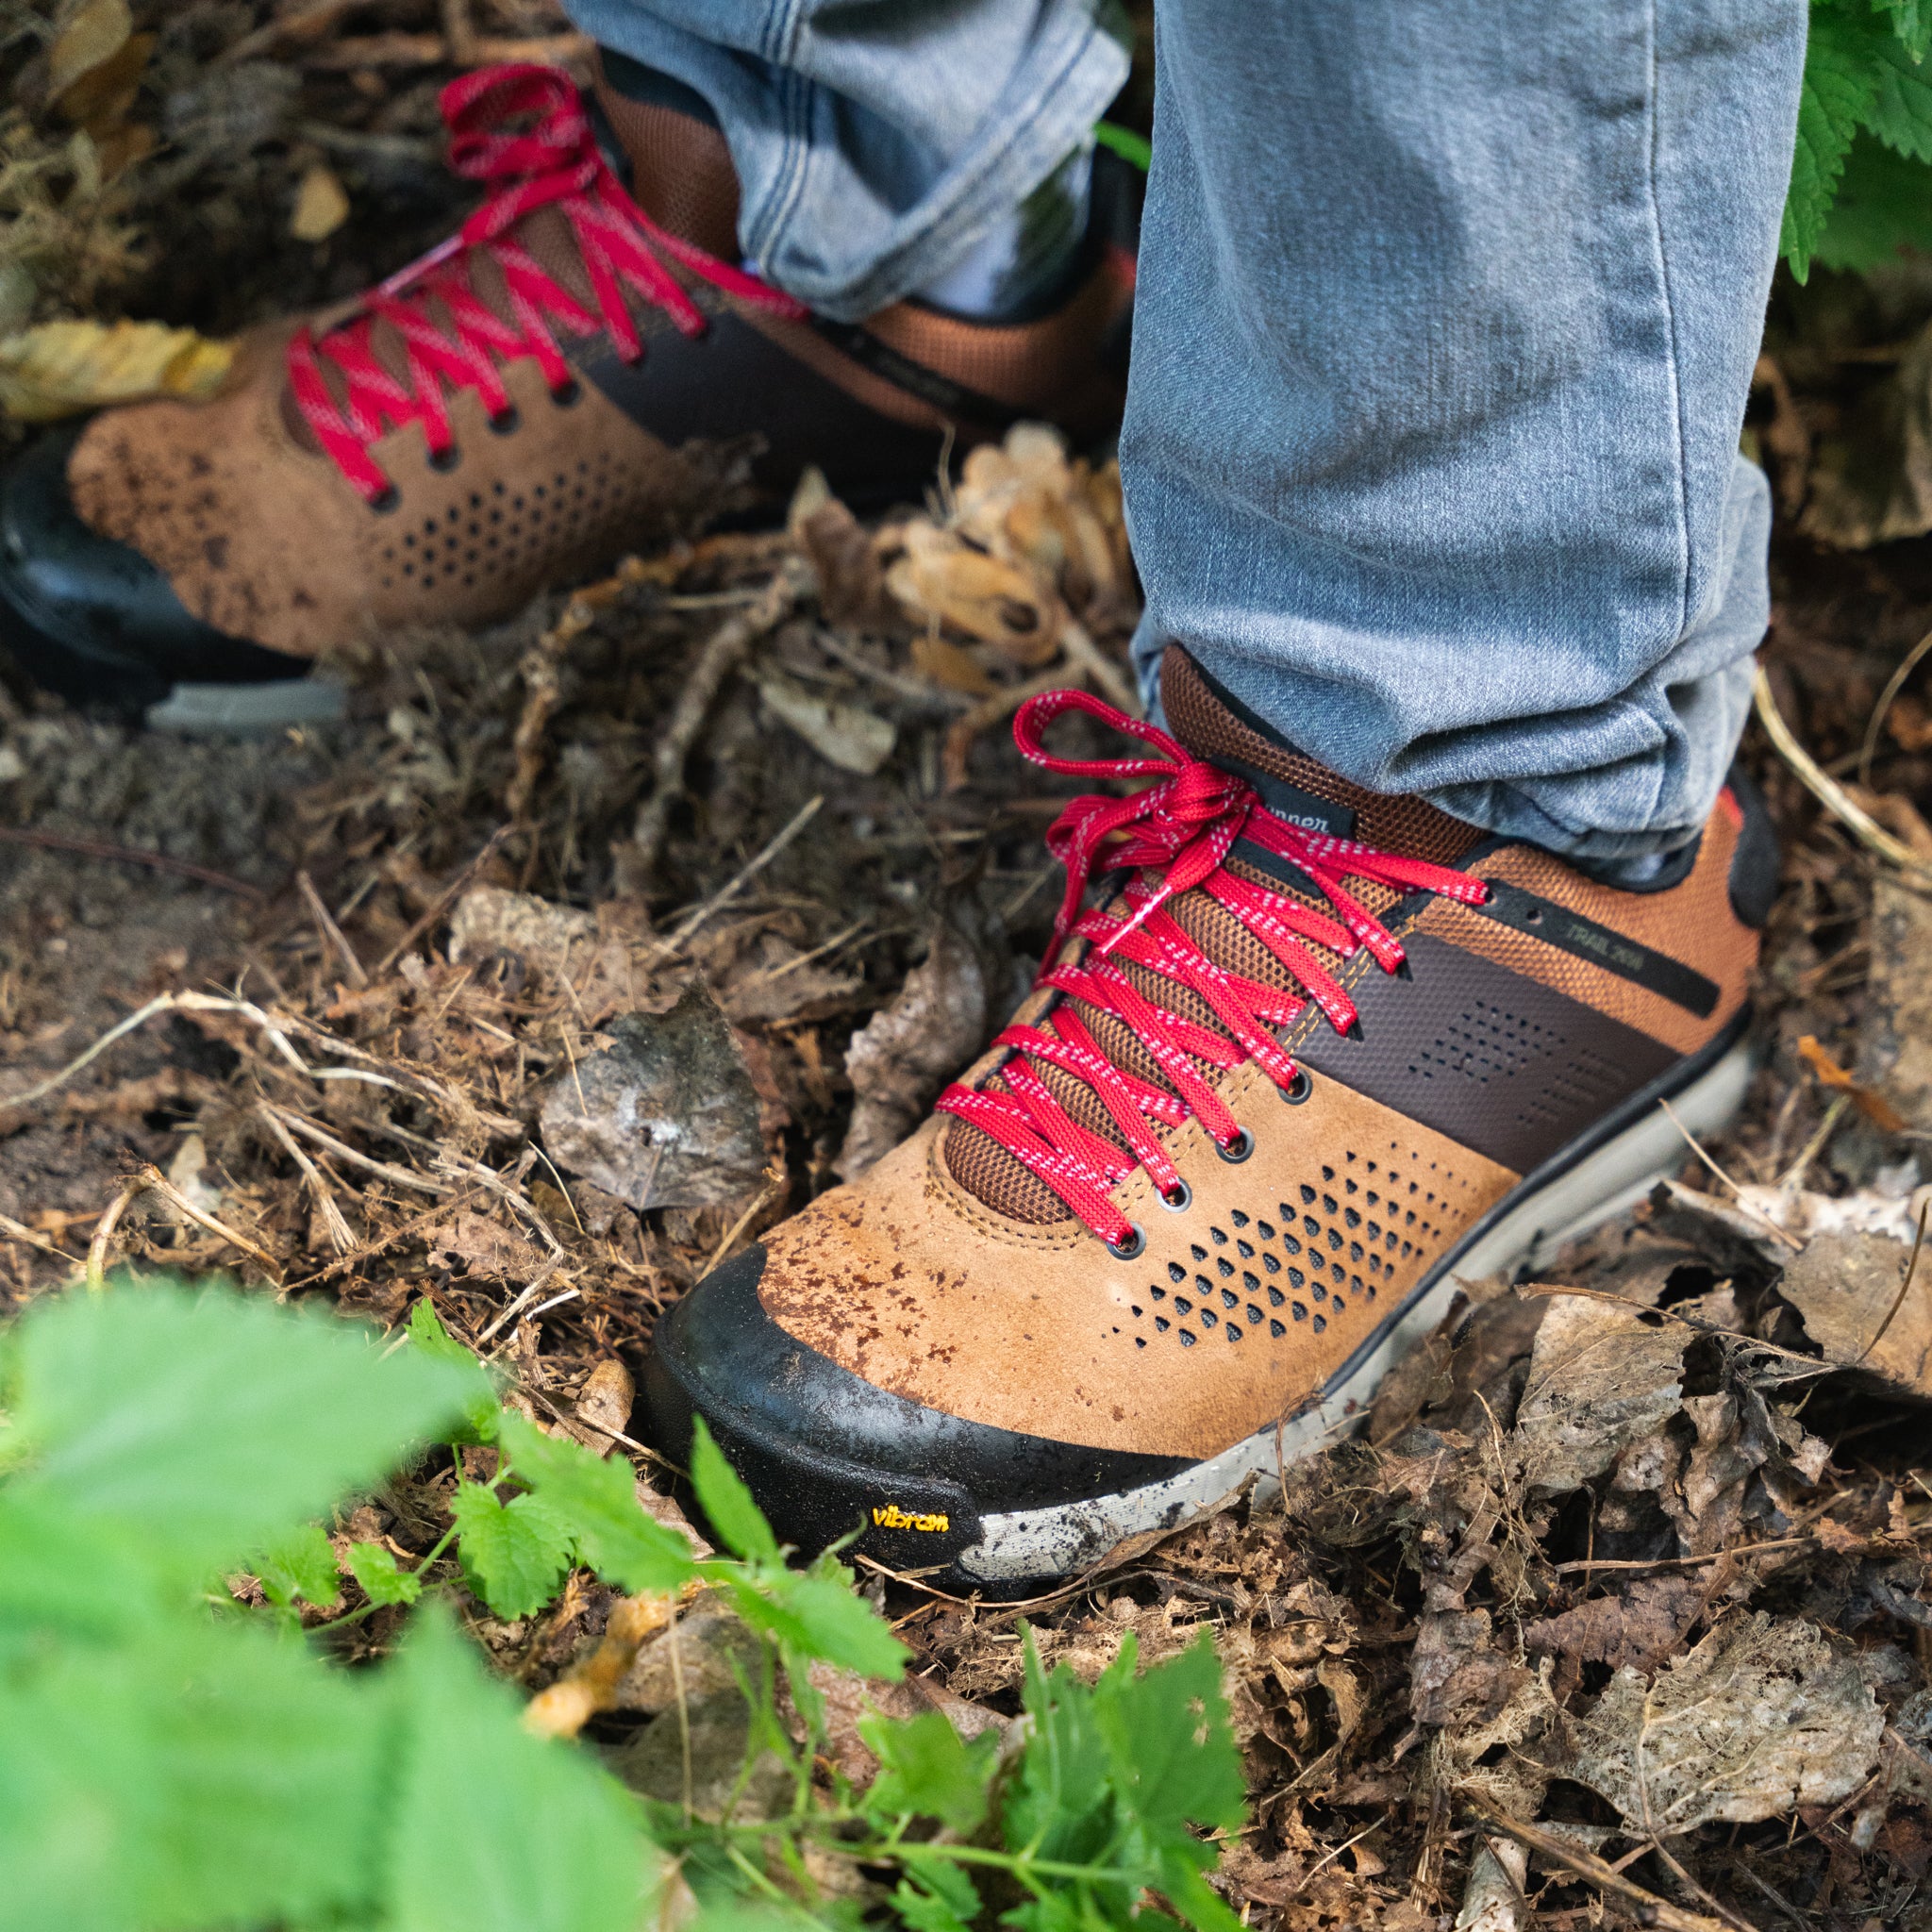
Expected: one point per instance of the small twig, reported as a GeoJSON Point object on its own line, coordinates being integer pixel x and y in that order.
{"type": "Point", "coordinates": [534, 1286]}
{"type": "Point", "coordinates": [592, 1686]}
{"type": "Point", "coordinates": [310, 23]}
{"type": "Point", "coordinates": [1893, 685]}
{"type": "Point", "coordinates": [332, 933]}
{"type": "Point", "coordinates": [1723, 1911]}
{"type": "Point", "coordinates": [18, 1231]}
{"type": "Point", "coordinates": [741, 878]}
{"type": "Point", "coordinates": [1740, 1550]}
{"type": "Point", "coordinates": [1588, 1866]}
{"type": "Point", "coordinates": [128, 854]}
{"type": "Point", "coordinates": [1829, 792]}
{"type": "Point", "coordinates": [383, 1170]}
{"type": "Point", "coordinates": [725, 649]}
{"type": "Point", "coordinates": [1793, 1177]}
{"type": "Point", "coordinates": [1790, 1241]}
{"type": "Point", "coordinates": [148, 1179]}
{"type": "Point", "coordinates": [340, 1237]}
{"type": "Point", "coordinates": [443, 900]}
{"type": "Point", "coordinates": [1100, 669]}
{"type": "Point", "coordinates": [432, 50]}
{"type": "Point", "coordinates": [1904, 1288]}
{"type": "Point", "coordinates": [739, 1227]}
{"type": "Point", "coordinates": [987, 713]}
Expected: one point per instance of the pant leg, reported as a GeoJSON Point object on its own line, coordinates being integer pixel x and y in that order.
{"type": "Point", "coordinates": [875, 139]}
{"type": "Point", "coordinates": [1446, 324]}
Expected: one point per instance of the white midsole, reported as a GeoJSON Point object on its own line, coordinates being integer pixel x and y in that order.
{"type": "Point", "coordinates": [1066, 1537]}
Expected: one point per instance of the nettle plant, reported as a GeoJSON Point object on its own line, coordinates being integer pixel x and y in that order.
{"type": "Point", "coordinates": [1861, 179]}
{"type": "Point", "coordinates": [173, 1760]}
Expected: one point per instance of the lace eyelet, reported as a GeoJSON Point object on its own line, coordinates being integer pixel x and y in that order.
{"type": "Point", "coordinates": [1298, 1088]}
{"type": "Point", "coordinates": [1238, 1149]}
{"type": "Point", "coordinates": [506, 421]}
{"type": "Point", "coordinates": [1135, 1244]}
{"type": "Point", "coordinates": [385, 499]}
{"type": "Point", "coordinates": [445, 458]}
{"type": "Point", "coordinates": [566, 393]}
{"type": "Point", "coordinates": [1179, 1200]}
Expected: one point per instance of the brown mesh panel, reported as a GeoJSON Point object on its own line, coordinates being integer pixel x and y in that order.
{"type": "Point", "coordinates": [681, 171]}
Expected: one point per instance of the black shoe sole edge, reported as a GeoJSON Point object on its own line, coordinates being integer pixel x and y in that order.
{"type": "Point", "coordinates": [932, 1528]}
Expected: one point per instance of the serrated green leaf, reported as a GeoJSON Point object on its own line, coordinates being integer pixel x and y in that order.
{"type": "Point", "coordinates": [1883, 203]}
{"type": "Point", "coordinates": [1900, 114]}
{"type": "Point", "coordinates": [481, 1409]}
{"type": "Point", "coordinates": [1842, 63]}
{"type": "Point", "coordinates": [374, 1566]}
{"type": "Point", "coordinates": [1911, 24]}
{"type": "Point", "coordinates": [927, 1769]}
{"type": "Point", "coordinates": [494, 1831]}
{"type": "Point", "coordinates": [598, 1502]}
{"type": "Point", "coordinates": [199, 1774]}
{"type": "Point", "coordinates": [515, 1555]}
{"type": "Point", "coordinates": [1175, 1761]}
{"type": "Point", "coordinates": [939, 1897]}
{"type": "Point", "coordinates": [189, 1428]}
{"type": "Point", "coordinates": [738, 1522]}
{"type": "Point", "coordinates": [302, 1564]}
{"type": "Point", "coordinates": [817, 1614]}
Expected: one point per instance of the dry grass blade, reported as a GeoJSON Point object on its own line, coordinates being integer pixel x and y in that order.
{"type": "Point", "coordinates": [1829, 792]}
{"type": "Point", "coordinates": [151, 1180]}
{"type": "Point", "coordinates": [332, 933]}
{"type": "Point", "coordinates": [340, 1237]}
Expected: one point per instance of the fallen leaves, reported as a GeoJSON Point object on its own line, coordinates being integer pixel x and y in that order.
{"type": "Point", "coordinates": [62, 368]}
{"type": "Point", "coordinates": [1762, 1717]}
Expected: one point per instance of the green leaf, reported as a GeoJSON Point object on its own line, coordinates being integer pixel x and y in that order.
{"type": "Point", "coordinates": [1901, 113]}
{"type": "Point", "coordinates": [596, 1502]}
{"type": "Point", "coordinates": [1883, 203]}
{"type": "Point", "coordinates": [1842, 63]}
{"type": "Point", "coordinates": [514, 1557]}
{"type": "Point", "coordinates": [494, 1831]}
{"type": "Point", "coordinates": [1135, 149]}
{"type": "Point", "coordinates": [431, 1339]}
{"type": "Point", "coordinates": [738, 1522]}
{"type": "Point", "coordinates": [300, 1564]}
{"type": "Point", "coordinates": [939, 1897]}
{"type": "Point", "coordinates": [927, 1769]}
{"type": "Point", "coordinates": [1912, 23]}
{"type": "Point", "coordinates": [200, 1775]}
{"type": "Point", "coordinates": [191, 1427]}
{"type": "Point", "coordinates": [373, 1567]}
{"type": "Point", "coordinates": [816, 1614]}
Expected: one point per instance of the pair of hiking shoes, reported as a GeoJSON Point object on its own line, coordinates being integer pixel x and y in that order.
{"type": "Point", "coordinates": [1316, 1057]}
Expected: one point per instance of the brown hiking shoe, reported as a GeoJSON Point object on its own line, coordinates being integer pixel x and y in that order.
{"type": "Point", "coordinates": [577, 373]}
{"type": "Point", "coordinates": [1233, 1156]}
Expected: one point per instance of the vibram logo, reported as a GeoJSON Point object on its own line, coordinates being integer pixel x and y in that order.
{"type": "Point", "coordinates": [892, 1517]}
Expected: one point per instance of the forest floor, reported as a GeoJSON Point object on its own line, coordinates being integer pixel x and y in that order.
{"type": "Point", "coordinates": [1589, 1567]}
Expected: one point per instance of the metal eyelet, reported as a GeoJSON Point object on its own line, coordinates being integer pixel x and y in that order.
{"type": "Point", "coordinates": [566, 393]}
{"type": "Point", "coordinates": [1135, 1244]}
{"type": "Point", "coordinates": [506, 421]}
{"type": "Point", "coordinates": [385, 499]}
{"type": "Point", "coordinates": [1179, 1200]}
{"type": "Point", "coordinates": [1238, 1149]}
{"type": "Point", "coordinates": [1298, 1088]}
{"type": "Point", "coordinates": [445, 458]}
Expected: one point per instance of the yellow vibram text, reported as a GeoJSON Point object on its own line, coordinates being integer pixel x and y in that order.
{"type": "Point", "coordinates": [892, 1517]}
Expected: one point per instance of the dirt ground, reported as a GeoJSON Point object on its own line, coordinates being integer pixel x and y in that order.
{"type": "Point", "coordinates": [1463, 1650]}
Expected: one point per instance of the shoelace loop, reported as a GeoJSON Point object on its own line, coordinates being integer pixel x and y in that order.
{"type": "Point", "coordinates": [523, 130]}
{"type": "Point", "coordinates": [1172, 835]}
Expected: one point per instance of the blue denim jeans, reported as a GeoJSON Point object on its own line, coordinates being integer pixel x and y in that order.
{"type": "Point", "coordinates": [1446, 318]}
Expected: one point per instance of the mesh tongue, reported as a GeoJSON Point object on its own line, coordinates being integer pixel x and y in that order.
{"type": "Point", "coordinates": [1295, 786]}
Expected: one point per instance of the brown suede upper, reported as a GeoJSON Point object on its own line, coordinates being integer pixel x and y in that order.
{"type": "Point", "coordinates": [928, 1283]}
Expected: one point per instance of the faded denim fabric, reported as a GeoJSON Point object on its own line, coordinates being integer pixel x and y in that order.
{"type": "Point", "coordinates": [876, 140]}
{"type": "Point", "coordinates": [1446, 319]}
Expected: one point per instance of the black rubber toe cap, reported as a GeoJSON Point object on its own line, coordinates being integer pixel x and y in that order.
{"type": "Point", "coordinates": [826, 1452]}
{"type": "Point", "coordinates": [92, 620]}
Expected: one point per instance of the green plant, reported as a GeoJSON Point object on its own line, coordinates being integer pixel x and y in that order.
{"type": "Point", "coordinates": [171, 1758]}
{"type": "Point", "coordinates": [1861, 186]}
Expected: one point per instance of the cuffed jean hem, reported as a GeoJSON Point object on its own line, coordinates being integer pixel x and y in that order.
{"type": "Point", "coordinates": [858, 189]}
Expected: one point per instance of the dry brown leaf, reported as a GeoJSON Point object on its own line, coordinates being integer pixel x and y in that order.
{"type": "Point", "coordinates": [951, 667]}
{"type": "Point", "coordinates": [62, 368]}
{"type": "Point", "coordinates": [899, 1060]}
{"type": "Point", "coordinates": [480, 1247]}
{"type": "Point", "coordinates": [92, 38]}
{"type": "Point", "coordinates": [1456, 1675]}
{"type": "Point", "coordinates": [1762, 1717]}
{"type": "Point", "coordinates": [604, 1403]}
{"type": "Point", "coordinates": [1874, 1107]}
{"type": "Point", "coordinates": [322, 205]}
{"type": "Point", "coordinates": [1846, 1287]}
{"type": "Point", "coordinates": [1600, 1378]}
{"type": "Point", "coordinates": [942, 577]}
{"type": "Point", "coordinates": [666, 1117]}
{"type": "Point", "coordinates": [1643, 1622]}
{"type": "Point", "coordinates": [844, 735]}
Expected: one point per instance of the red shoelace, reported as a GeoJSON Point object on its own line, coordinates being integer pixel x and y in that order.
{"type": "Point", "coordinates": [1173, 836]}
{"type": "Point", "coordinates": [524, 129]}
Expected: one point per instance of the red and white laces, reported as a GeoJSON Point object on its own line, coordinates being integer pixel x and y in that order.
{"type": "Point", "coordinates": [523, 130]}
{"type": "Point", "coordinates": [1173, 836]}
